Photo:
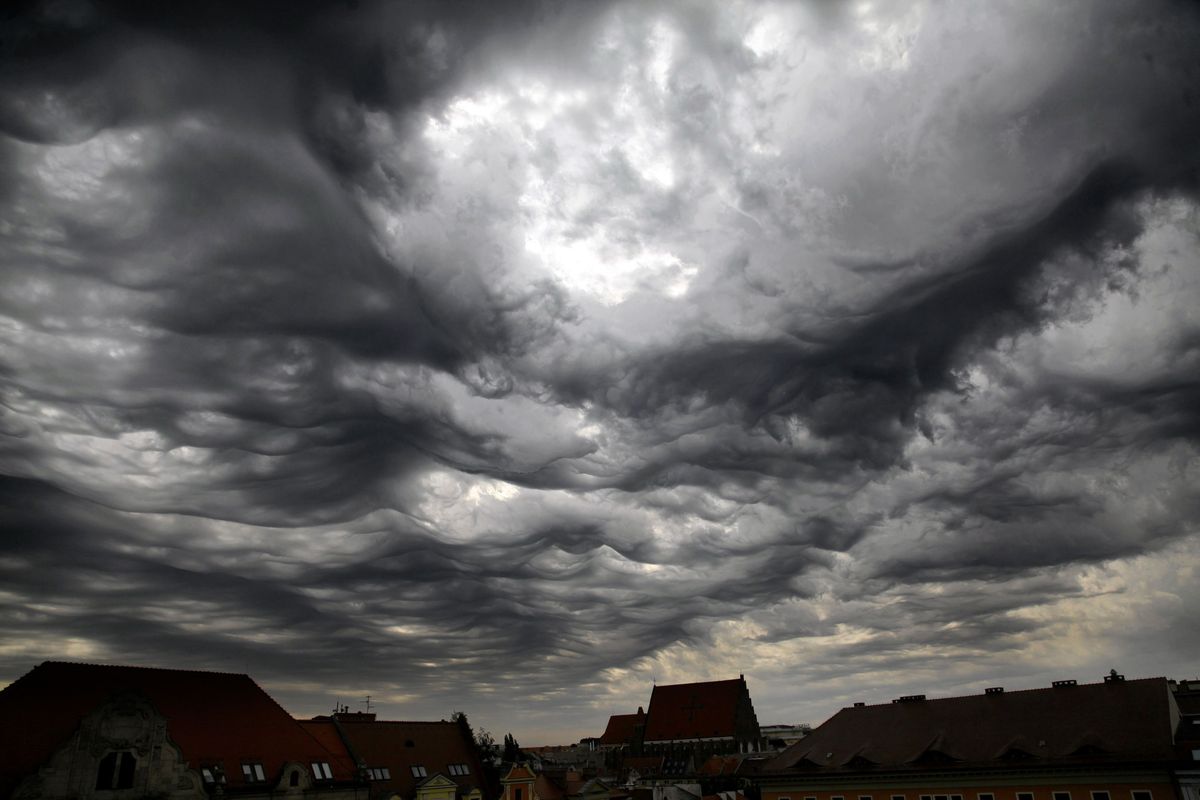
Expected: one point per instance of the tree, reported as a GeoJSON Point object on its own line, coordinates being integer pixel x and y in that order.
{"type": "Point", "coordinates": [512, 750]}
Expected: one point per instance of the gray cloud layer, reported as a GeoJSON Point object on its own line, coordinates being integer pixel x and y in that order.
{"type": "Point", "coordinates": [537, 350]}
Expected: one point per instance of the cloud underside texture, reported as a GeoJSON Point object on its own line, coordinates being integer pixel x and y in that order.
{"type": "Point", "coordinates": [528, 348]}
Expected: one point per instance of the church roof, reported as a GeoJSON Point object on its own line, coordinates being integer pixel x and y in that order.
{"type": "Point", "coordinates": [694, 710]}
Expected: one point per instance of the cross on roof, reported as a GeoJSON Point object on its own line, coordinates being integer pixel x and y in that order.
{"type": "Point", "coordinates": [693, 708]}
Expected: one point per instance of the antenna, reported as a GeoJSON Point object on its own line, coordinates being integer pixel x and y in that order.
{"type": "Point", "coordinates": [367, 702]}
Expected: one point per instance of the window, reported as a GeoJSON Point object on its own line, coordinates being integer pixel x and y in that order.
{"type": "Point", "coordinates": [1100, 796]}
{"type": "Point", "coordinates": [926, 797]}
{"type": "Point", "coordinates": [116, 771]}
{"type": "Point", "coordinates": [294, 778]}
{"type": "Point", "coordinates": [865, 797]}
{"type": "Point", "coordinates": [1024, 795]}
{"type": "Point", "coordinates": [940, 797]}
{"type": "Point", "coordinates": [956, 797]}
{"type": "Point", "coordinates": [837, 797]}
{"type": "Point", "coordinates": [517, 793]}
{"type": "Point", "coordinates": [212, 773]}
{"type": "Point", "coordinates": [253, 772]}
{"type": "Point", "coordinates": [380, 773]}
{"type": "Point", "coordinates": [459, 769]}
{"type": "Point", "coordinates": [1061, 795]}
{"type": "Point", "coordinates": [985, 796]}
{"type": "Point", "coordinates": [897, 797]}
{"type": "Point", "coordinates": [1142, 794]}
{"type": "Point", "coordinates": [418, 771]}
{"type": "Point", "coordinates": [321, 771]}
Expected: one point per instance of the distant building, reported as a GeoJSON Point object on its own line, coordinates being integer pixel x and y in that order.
{"type": "Point", "coordinates": [1187, 737]}
{"type": "Point", "coordinates": [95, 732]}
{"type": "Point", "coordinates": [409, 760]}
{"type": "Point", "coordinates": [621, 738]}
{"type": "Point", "coordinates": [700, 720]}
{"type": "Point", "coordinates": [1104, 741]}
{"type": "Point", "coordinates": [779, 737]}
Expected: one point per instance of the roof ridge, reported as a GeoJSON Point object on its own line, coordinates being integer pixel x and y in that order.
{"type": "Point", "coordinates": [1007, 692]}
{"type": "Point", "coordinates": [57, 662]}
{"type": "Point", "coordinates": [396, 721]}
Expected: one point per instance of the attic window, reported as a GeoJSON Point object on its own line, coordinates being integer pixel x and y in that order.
{"type": "Point", "coordinates": [1141, 795]}
{"type": "Point", "coordinates": [1100, 796]}
{"type": "Point", "coordinates": [212, 773]}
{"type": "Point", "coordinates": [379, 773]}
{"type": "Point", "coordinates": [1024, 795]}
{"type": "Point", "coordinates": [418, 771]}
{"type": "Point", "coordinates": [321, 771]}
{"type": "Point", "coordinates": [459, 769]}
{"type": "Point", "coordinates": [985, 796]}
{"type": "Point", "coordinates": [116, 771]}
{"type": "Point", "coordinates": [1061, 795]}
{"type": "Point", "coordinates": [252, 772]}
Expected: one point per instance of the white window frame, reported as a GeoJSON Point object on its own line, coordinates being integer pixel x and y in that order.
{"type": "Point", "coordinates": [419, 771]}
{"type": "Point", "coordinates": [321, 771]}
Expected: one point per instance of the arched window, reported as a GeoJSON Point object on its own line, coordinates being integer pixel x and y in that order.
{"type": "Point", "coordinates": [116, 771]}
{"type": "Point", "coordinates": [294, 778]}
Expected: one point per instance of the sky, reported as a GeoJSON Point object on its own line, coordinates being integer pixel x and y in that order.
{"type": "Point", "coordinates": [510, 357]}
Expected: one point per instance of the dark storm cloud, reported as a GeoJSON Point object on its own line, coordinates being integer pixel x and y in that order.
{"type": "Point", "coordinates": [381, 345]}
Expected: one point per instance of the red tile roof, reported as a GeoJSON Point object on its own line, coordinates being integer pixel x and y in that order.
{"type": "Point", "coordinates": [693, 710]}
{"type": "Point", "coordinates": [1125, 721]}
{"type": "Point", "coordinates": [720, 765]}
{"type": "Point", "coordinates": [400, 746]}
{"type": "Point", "coordinates": [621, 728]}
{"type": "Point", "coordinates": [214, 717]}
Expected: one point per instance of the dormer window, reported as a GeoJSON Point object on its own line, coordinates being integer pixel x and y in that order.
{"type": "Point", "coordinates": [379, 773]}
{"type": "Point", "coordinates": [252, 772]}
{"type": "Point", "coordinates": [212, 774]}
{"type": "Point", "coordinates": [418, 771]}
{"type": "Point", "coordinates": [321, 771]}
{"type": "Point", "coordinates": [459, 769]}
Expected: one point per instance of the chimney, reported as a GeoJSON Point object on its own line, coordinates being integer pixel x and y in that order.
{"type": "Point", "coordinates": [909, 698]}
{"type": "Point", "coordinates": [355, 716]}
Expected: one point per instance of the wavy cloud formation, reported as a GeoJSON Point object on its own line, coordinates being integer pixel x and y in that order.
{"type": "Point", "coordinates": [536, 352]}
